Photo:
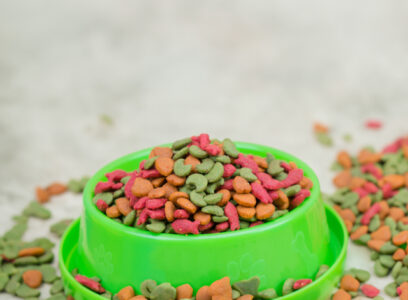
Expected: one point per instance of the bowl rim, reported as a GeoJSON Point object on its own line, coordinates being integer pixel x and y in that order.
{"type": "Point", "coordinates": [101, 218]}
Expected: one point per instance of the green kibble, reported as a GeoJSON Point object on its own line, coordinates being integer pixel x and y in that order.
{"type": "Point", "coordinates": [401, 278]}
{"type": "Point", "coordinates": [249, 286]}
{"type": "Point", "coordinates": [57, 287]}
{"type": "Point", "coordinates": [74, 186]}
{"type": "Point", "coordinates": [405, 260]}
{"type": "Point", "coordinates": [181, 153]}
{"type": "Point", "coordinates": [198, 181]}
{"type": "Point", "coordinates": [8, 269]}
{"type": "Point", "coordinates": [24, 291]}
{"type": "Point", "coordinates": [197, 152]}
{"type": "Point", "coordinates": [59, 296]}
{"type": "Point", "coordinates": [288, 286]}
{"type": "Point", "coordinates": [361, 275]}
{"type": "Point", "coordinates": [391, 289]}
{"type": "Point", "coordinates": [107, 197]}
{"type": "Point", "coordinates": [379, 269]}
{"type": "Point", "coordinates": [163, 291]}
{"type": "Point", "coordinates": [4, 278]}
{"type": "Point", "coordinates": [378, 298]}
{"type": "Point", "coordinates": [26, 260]}
{"type": "Point", "coordinates": [180, 169]}
{"type": "Point", "coordinates": [363, 239]}
{"type": "Point", "coordinates": [324, 139]}
{"type": "Point", "coordinates": [16, 232]}
{"type": "Point", "coordinates": [274, 168]}
{"type": "Point", "coordinates": [247, 174]}
{"type": "Point", "coordinates": [213, 198]}
{"type": "Point", "coordinates": [230, 148]}
{"type": "Point", "coordinates": [374, 223]}
{"type": "Point", "coordinates": [118, 193]}
{"type": "Point", "coordinates": [216, 173]}
{"type": "Point", "coordinates": [213, 210]}
{"type": "Point", "coordinates": [47, 257]}
{"type": "Point", "coordinates": [243, 224]}
{"type": "Point", "coordinates": [49, 273]}
{"type": "Point", "coordinates": [235, 294]}
{"type": "Point", "coordinates": [198, 199]}
{"type": "Point", "coordinates": [36, 210]}
{"type": "Point", "coordinates": [12, 286]}
{"type": "Point", "coordinates": [323, 269]}
{"type": "Point", "coordinates": [292, 190]}
{"type": "Point", "coordinates": [269, 157]}
{"type": "Point", "coordinates": [396, 269]}
{"type": "Point", "coordinates": [211, 188]}
{"type": "Point", "coordinates": [59, 228]}
{"type": "Point", "coordinates": [147, 287]}
{"type": "Point", "coordinates": [129, 220]}
{"type": "Point", "coordinates": [125, 179]}
{"type": "Point", "coordinates": [387, 261]}
{"type": "Point", "coordinates": [279, 213]}
{"type": "Point", "coordinates": [217, 219]}
{"type": "Point", "coordinates": [388, 248]}
{"type": "Point", "coordinates": [224, 159]}
{"type": "Point", "coordinates": [149, 163]}
{"type": "Point", "coordinates": [267, 294]}
{"type": "Point", "coordinates": [156, 227]}
{"type": "Point", "coordinates": [205, 166]}
{"type": "Point", "coordinates": [181, 143]}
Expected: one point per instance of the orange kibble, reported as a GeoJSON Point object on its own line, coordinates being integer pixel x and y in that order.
{"type": "Point", "coordinates": [359, 232]}
{"type": "Point", "coordinates": [169, 189]}
{"type": "Point", "coordinates": [42, 195]}
{"type": "Point", "coordinates": [365, 157]}
{"type": "Point", "coordinates": [184, 291]}
{"type": "Point", "coordinates": [342, 179]}
{"type": "Point", "coordinates": [406, 179]}
{"type": "Point", "coordinates": [32, 278]}
{"type": "Point", "coordinates": [226, 196]}
{"type": "Point", "coordinates": [404, 220]}
{"type": "Point", "coordinates": [385, 209]}
{"type": "Point", "coordinates": [164, 165]}
{"type": "Point", "coordinates": [169, 209]}
{"type": "Point", "coordinates": [33, 251]}
{"type": "Point", "coordinates": [156, 193]}
{"type": "Point", "coordinates": [344, 159]}
{"type": "Point", "coordinates": [283, 201]}
{"type": "Point", "coordinates": [405, 150]}
{"type": "Point", "coordinates": [245, 297]}
{"type": "Point", "coordinates": [349, 225]}
{"type": "Point", "coordinates": [241, 185]}
{"type": "Point", "coordinates": [187, 205]}
{"type": "Point", "coordinates": [157, 182]}
{"type": "Point", "coordinates": [383, 233]}
{"type": "Point", "coordinates": [247, 200]}
{"type": "Point", "coordinates": [161, 152]}
{"type": "Point", "coordinates": [202, 217]}
{"type": "Point", "coordinates": [113, 212]}
{"type": "Point", "coordinates": [261, 161]}
{"type": "Point", "coordinates": [396, 181]}
{"type": "Point", "coordinates": [337, 208]}
{"type": "Point", "coordinates": [375, 244]}
{"type": "Point", "coordinates": [341, 295]}
{"type": "Point", "coordinates": [306, 183]}
{"type": "Point", "coordinates": [399, 254]}
{"type": "Point", "coordinates": [174, 196]}
{"type": "Point", "coordinates": [246, 212]}
{"type": "Point", "coordinates": [364, 204]}
{"type": "Point", "coordinates": [347, 214]}
{"type": "Point", "coordinates": [396, 213]}
{"type": "Point", "coordinates": [320, 128]}
{"type": "Point", "coordinates": [126, 293]}
{"type": "Point", "coordinates": [191, 160]}
{"type": "Point", "coordinates": [349, 283]}
{"type": "Point", "coordinates": [56, 188]}
{"type": "Point", "coordinates": [203, 293]}
{"type": "Point", "coordinates": [293, 165]}
{"type": "Point", "coordinates": [404, 295]}
{"type": "Point", "coordinates": [141, 187]}
{"type": "Point", "coordinates": [404, 286]}
{"type": "Point", "coordinates": [138, 297]}
{"type": "Point", "coordinates": [176, 180]}
{"type": "Point", "coordinates": [123, 206]}
{"type": "Point", "coordinates": [357, 182]}
{"type": "Point", "coordinates": [221, 287]}
{"type": "Point", "coordinates": [264, 211]}
{"type": "Point", "coordinates": [400, 238]}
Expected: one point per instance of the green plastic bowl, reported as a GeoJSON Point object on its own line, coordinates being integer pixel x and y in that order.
{"type": "Point", "coordinates": [294, 245]}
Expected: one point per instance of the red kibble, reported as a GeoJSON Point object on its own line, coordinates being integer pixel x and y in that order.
{"type": "Point", "coordinates": [181, 214]}
{"type": "Point", "coordinates": [183, 226]}
{"type": "Point", "coordinates": [129, 184]}
{"type": "Point", "coordinates": [300, 197]}
{"type": "Point", "coordinates": [228, 185]}
{"type": "Point", "coordinates": [294, 177]}
{"type": "Point", "coordinates": [361, 192]}
{"type": "Point", "coordinates": [103, 186]}
{"type": "Point", "coordinates": [370, 187]}
{"type": "Point", "coordinates": [89, 283]}
{"type": "Point", "coordinates": [116, 175]}
{"type": "Point", "coordinates": [204, 140]}
{"type": "Point", "coordinates": [117, 186]}
{"type": "Point", "coordinates": [387, 190]}
{"type": "Point", "coordinates": [246, 162]}
{"type": "Point", "coordinates": [369, 290]}
{"type": "Point", "coordinates": [144, 215]}
{"type": "Point", "coordinates": [259, 192]}
{"type": "Point", "coordinates": [373, 124]}
{"type": "Point", "coordinates": [102, 205]}
{"type": "Point", "coordinates": [372, 169]}
{"type": "Point", "coordinates": [220, 227]}
{"type": "Point", "coordinates": [274, 195]}
{"type": "Point", "coordinates": [301, 283]}
{"type": "Point", "coordinates": [370, 213]}
{"type": "Point", "coordinates": [229, 169]}
{"type": "Point", "coordinates": [212, 149]}
{"type": "Point", "coordinates": [256, 223]}
{"type": "Point", "coordinates": [233, 219]}
{"type": "Point", "coordinates": [155, 203]}
{"type": "Point", "coordinates": [150, 173]}
{"type": "Point", "coordinates": [285, 166]}
{"type": "Point", "coordinates": [141, 203]}
{"type": "Point", "coordinates": [206, 227]}
{"type": "Point", "coordinates": [157, 214]}
{"type": "Point", "coordinates": [268, 182]}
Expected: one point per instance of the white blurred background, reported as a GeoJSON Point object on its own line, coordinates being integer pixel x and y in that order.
{"type": "Point", "coordinates": [258, 71]}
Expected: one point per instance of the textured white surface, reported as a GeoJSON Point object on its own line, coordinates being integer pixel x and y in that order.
{"type": "Point", "coordinates": [258, 71]}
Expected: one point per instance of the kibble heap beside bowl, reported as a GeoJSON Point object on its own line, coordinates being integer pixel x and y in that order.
{"type": "Point", "coordinates": [181, 213]}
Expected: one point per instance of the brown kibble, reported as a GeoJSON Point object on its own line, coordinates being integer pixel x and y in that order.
{"type": "Point", "coordinates": [141, 187]}
{"type": "Point", "coordinates": [292, 165]}
{"type": "Point", "coordinates": [176, 180]}
{"type": "Point", "coordinates": [187, 205]}
{"type": "Point", "coordinates": [349, 283]}
{"type": "Point", "coordinates": [126, 293]}
{"type": "Point", "coordinates": [191, 160]}
{"type": "Point", "coordinates": [157, 182]}
{"type": "Point", "coordinates": [306, 183]}
{"type": "Point", "coordinates": [405, 150]}
{"type": "Point", "coordinates": [164, 165]}
{"type": "Point", "coordinates": [202, 217]}
{"type": "Point", "coordinates": [396, 213]}
{"type": "Point", "coordinates": [113, 212]}
{"type": "Point", "coordinates": [283, 201]}
{"type": "Point", "coordinates": [161, 152]}
{"type": "Point", "coordinates": [320, 128]}
{"type": "Point", "coordinates": [70, 297]}
{"type": "Point", "coordinates": [384, 209]}
{"type": "Point", "coordinates": [341, 295]}
{"type": "Point", "coordinates": [174, 196]}
{"type": "Point", "coordinates": [184, 291]}
{"type": "Point", "coordinates": [375, 244]}
{"type": "Point", "coordinates": [264, 211]}
{"type": "Point", "coordinates": [123, 206]}
{"type": "Point", "coordinates": [33, 251]}
{"type": "Point", "coordinates": [56, 188]}
{"type": "Point", "coordinates": [396, 181]}
{"type": "Point", "coordinates": [342, 179]}
{"type": "Point", "coordinates": [359, 232]}
{"type": "Point", "coordinates": [261, 161]}
{"type": "Point", "coordinates": [32, 278]}
{"type": "Point", "coordinates": [400, 238]}
{"type": "Point", "coordinates": [246, 212]}
{"type": "Point", "coordinates": [399, 254]}
{"type": "Point", "coordinates": [344, 159]}
{"type": "Point", "coordinates": [241, 185]}
{"type": "Point", "coordinates": [221, 287]}
{"type": "Point", "coordinates": [42, 195]}
{"type": "Point", "coordinates": [383, 233]}
{"type": "Point", "coordinates": [169, 209]}
{"type": "Point", "coordinates": [357, 182]}
{"type": "Point", "coordinates": [226, 196]}
{"type": "Point", "coordinates": [156, 193]}
{"type": "Point", "coordinates": [169, 189]}
{"type": "Point", "coordinates": [203, 293]}
{"type": "Point", "coordinates": [138, 297]}
{"type": "Point", "coordinates": [347, 214]}
{"type": "Point", "coordinates": [245, 297]}
{"type": "Point", "coordinates": [349, 225]}
{"type": "Point", "coordinates": [364, 204]}
{"type": "Point", "coordinates": [247, 200]}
